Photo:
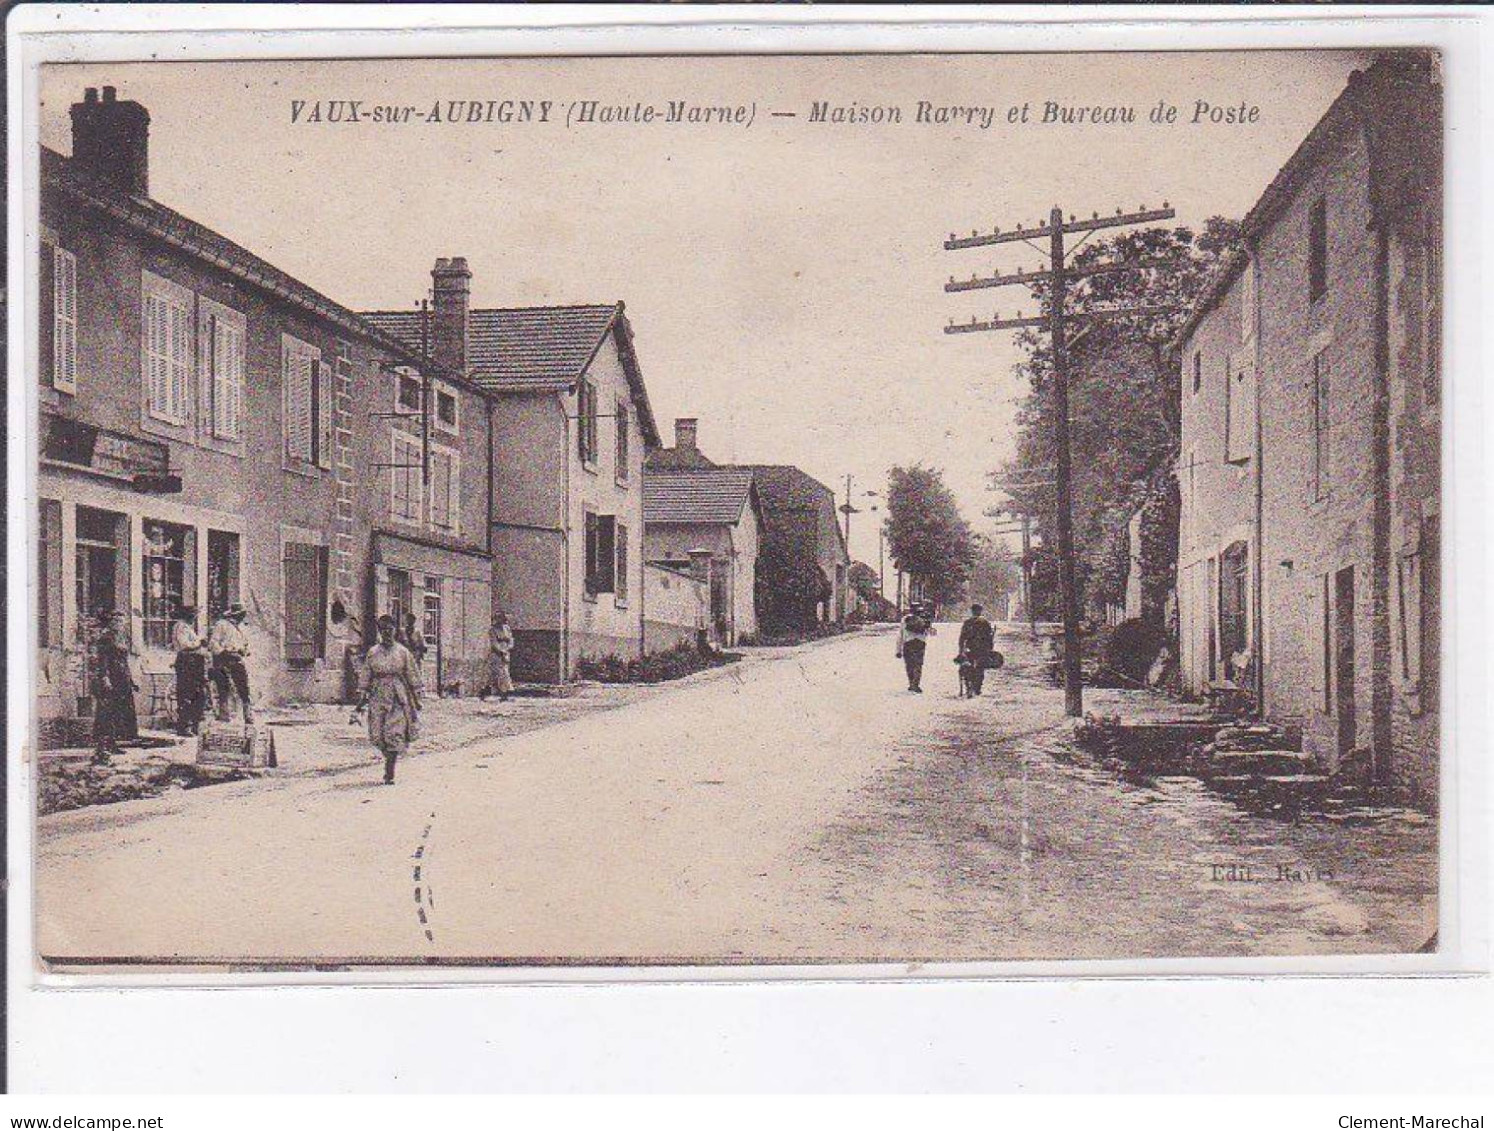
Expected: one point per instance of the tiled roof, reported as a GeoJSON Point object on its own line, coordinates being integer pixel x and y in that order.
{"type": "Point", "coordinates": [156, 220]}
{"type": "Point", "coordinates": [517, 349]}
{"type": "Point", "coordinates": [677, 459]}
{"type": "Point", "coordinates": [544, 344]}
{"type": "Point", "coordinates": [782, 486]}
{"type": "Point", "coordinates": [696, 495]}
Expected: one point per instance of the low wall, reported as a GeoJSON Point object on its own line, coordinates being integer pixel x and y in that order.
{"type": "Point", "coordinates": [677, 607]}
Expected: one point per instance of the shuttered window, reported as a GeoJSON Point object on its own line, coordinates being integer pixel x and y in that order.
{"type": "Point", "coordinates": [601, 551]}
{"type": "Point", "coordinates": [64, 321]}
{"type": "Point", "coordinates": [305, 602]}
{"type": "Point", "coordinates": [404, 478]}
{"type": "Point", "coordinates": [322, 457]}
{"type": "Point", "coordinates": [1318, 469]}
{"type": "Point", "coordinates": [622, 441]}
{"type": "Point", "coordinates": [586, 422]}
{"type": "Point", "coordinates": [167, 354]}
{"type": "Point", "coordinates": [299, 364]}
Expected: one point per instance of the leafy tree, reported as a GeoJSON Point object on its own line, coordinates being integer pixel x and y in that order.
{"type": "Point", "coordinates": [789, 584]}
{"type": "Point", "coordinates": [864, 580]}
{"type": "Point", "coordinates": [928, 538]}
{"type": "Point", "coordinates": [1124, 409]}
{"type": "Point", "coordinates": [994, 574]}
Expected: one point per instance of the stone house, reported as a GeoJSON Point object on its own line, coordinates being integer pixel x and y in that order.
{"type": "Point", "coordinates": [715, 510]}
{"type": "Point", "coordinates": [1309, 464]}
{"type": "Point", "coordinates": [569, 424]}
{"type": "Point", "coordinates": [198, 437]}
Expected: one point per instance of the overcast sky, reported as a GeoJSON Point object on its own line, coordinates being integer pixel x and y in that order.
{"type": "Point", "coordinates": [784, 280]}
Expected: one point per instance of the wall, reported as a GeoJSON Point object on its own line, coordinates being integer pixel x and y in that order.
{"type": "Point", "coordinates": [734, 546]}
{"type": "Point", "coordinates": [605, 625]}
{"type": "Point", "coordinates": [678, 607]}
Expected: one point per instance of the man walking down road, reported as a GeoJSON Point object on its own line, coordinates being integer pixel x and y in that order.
{"type": "Point", "coordinates": [229, 646]}
{"type": "Point", "coordinates": [977, 644]}
{"type": "Point", "coordinates": [191, 670]}
{"type": "Point", "coordinates": [912, 642]}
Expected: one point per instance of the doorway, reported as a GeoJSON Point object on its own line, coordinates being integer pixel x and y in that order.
{"type": "Point", "coordinates": [431, 628]}
{"type": "Point", "coordinates": [1343, 658]}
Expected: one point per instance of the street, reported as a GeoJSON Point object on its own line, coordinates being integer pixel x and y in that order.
{"type": "Point", "coordinates": [800, 806]}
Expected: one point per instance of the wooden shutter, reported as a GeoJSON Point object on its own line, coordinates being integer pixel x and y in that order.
{"type": "Point", "coordinates": [620, 579]}
{"type": "Point", "coordinates": [622, 440]}
{"type": "Point", "coordinates": [591, 552]}
{"type": "Point", "coordinates": [64, 321]}
{"type": "Point", "coordinates": [325, 401]}
{"type": "Point", "coordinates": [226, 357]}
{"type": "Point", "coordinates": [179, 361]}
{"type": "Point", "coordinates": [302, 587]}
{"type": "Point", "coordinates": [296, 373]}
{"type": "Point", "coordinates": [155, 354]}
{"type": "Point", "coordinates": [46, 335]}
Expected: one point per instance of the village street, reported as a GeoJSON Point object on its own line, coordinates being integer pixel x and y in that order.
{"type": "Point", "coordinates": [799, 806]}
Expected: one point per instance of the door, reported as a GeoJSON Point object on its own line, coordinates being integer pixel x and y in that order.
{"type": "Point", "coordinates": [431, 627]}
{"type": "Point", "coordinates": [1343, 658]}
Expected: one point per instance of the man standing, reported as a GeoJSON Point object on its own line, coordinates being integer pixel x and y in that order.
{"type": "Point", "coordinates": [113, 687]}
{"type": "Point", "coordinates": [191, 670]}
{"type": "Point", "coordinates": [977, 643]}
{"type": "Point", "coordinates": [912, 641]}
{"type": "Point", "coordinates": [229, 646]}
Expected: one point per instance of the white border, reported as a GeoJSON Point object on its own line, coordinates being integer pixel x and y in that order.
{"type": "Point", "coordinates": [68, 33]}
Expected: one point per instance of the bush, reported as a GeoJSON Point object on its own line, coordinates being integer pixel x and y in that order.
{"type": "Point", "coordinates": [657, 667]}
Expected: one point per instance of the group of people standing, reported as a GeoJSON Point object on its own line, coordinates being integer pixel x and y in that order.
{"type": "Point", "coordinates": [977, 651]}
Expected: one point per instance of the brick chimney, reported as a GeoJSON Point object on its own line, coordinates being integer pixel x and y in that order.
{"type": "Point", "coordinates": [451, 283]}
{"type": "Point", "coordinates": [685, 429]}
{"type": "Point", "coordinates": [111, 140]}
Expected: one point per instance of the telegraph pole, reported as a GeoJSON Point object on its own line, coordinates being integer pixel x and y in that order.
{"type": "Point", "coordinates": [1057, 278]}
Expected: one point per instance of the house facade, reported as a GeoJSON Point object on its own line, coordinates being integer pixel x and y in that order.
{"type": "Point", "coordinates": [197, 437]}
{"type": "Point", "coordinates": [714, 510]}
{"type": "Point", "coordinates": [1309, 469]}
{"type": "Point", "coordinates": [568, 426]}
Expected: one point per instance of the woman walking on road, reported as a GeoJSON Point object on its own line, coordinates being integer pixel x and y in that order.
{"type": "Point", "coordinates": [501, 648]}
{"type": "Point", "coordinates": [912, 642]}
{"type": "Point", "coordinates": [389, 687]}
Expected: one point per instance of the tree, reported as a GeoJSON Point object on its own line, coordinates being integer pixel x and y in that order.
{"type": "Point", "coordinates": [1125, 411]}
{"type": "Point", "coordinates": [995, 574]}
{"type": "Point", "coordinates": [928, 538]}
{"type": "Point", "coordinates": [789, 584]}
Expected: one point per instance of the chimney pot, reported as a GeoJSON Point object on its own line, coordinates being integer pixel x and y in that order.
{"type": "Point", "coordinates": [111, 140]}
{"type": "Point", "coordinates": [686, 429]}
{"type": "Point", "coordinates": [91, 95]}
{"type": "Point", "coordinates": [451, 284]}
{"type": "Point", "coordinates": [109, 93]}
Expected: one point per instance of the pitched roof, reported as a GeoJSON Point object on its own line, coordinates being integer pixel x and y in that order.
{"type": "Point", "coordinates": [154, 219]}
{"type": "Point", "coordinates": [677, 459]}
{"type": "Point", "coordinates": [696, 495]}
{"type": "Point", "coordinates": [534, 348]}
{"type": "Point", "coordinates": [783, 486]}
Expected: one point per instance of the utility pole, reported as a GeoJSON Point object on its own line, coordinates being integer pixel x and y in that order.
{"type": "Point", "coordinates": [1027, 575]}
{"type": "Point", "coordinates": [1057, 279]}
{"type": "Point", "coordinates": [848, 510]}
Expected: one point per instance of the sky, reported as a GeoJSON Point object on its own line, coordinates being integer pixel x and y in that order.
{"type": "Point", "coordinates": [784, 279]}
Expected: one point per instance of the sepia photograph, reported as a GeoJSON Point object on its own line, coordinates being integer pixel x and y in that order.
{"type": "Point", "coordinates": [751, 511]}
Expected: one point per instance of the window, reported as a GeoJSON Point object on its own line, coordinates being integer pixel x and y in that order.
{"type": "Point", "coordinates": [620, 574]}
{"type": "Point", "coordinates": [1239, 412]}
{"type": "Point", "coordinates": [1318, 470]}
{"type": "Point", "coordinates": [1234, 625]}
{"type": "Point", "coordinates": [1198, 371]}
{"type": "Point", "coordinates": [167, 341]}
{"type": "Point", "coordinates": [407, 392]}
{"type": "Point", "coordinates": [49, 576]}
{"type": "Point", "coordinates": [446, 489]}
{"type": "Point", "coordinates": [299, 363]}
{"type": "Point", "coordinates": [586, 422]}
{"type": "Point", "coordinates": [1317, 251]}
{"type": "Point", "coordinates": [169, 557]}
{"type": "Point", "coordinates": [401, 597]}
{"type": "Point", "coordinates": [222, 572]}
{"type": "Point", "coordinates": [305, 602]}
{"type": "Point", "coordinates": [221, 332]}
{"type": "Point", "coordinates": [446, 410]}
{"type": "Point", "coordinates": [622, 441]}
{"type": "Point", "coordinates": [64, 321]}
{"type": "Point", "coordinates": [404, 478]}
{"type": "Point", "coordinates": [601, 553]}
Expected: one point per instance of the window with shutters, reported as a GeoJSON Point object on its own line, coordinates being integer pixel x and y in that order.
{"type": "Point", "coordinates": [601, 553]}
{"type": "Point", "coordinates": [446, 487]}
{"type": "Point", "coordinates": [620, 573]}
{"type": "Point", "coordinates": [447, 417]}
{"type": "Point", "coordinates": [166, 356]}
{"type": "Point", "coordinates": [64, 321]}
{"type": "Point", "coordinates": [305, 602]}
{"type": "Point", "coordinates": [305, 390]}
{"type": "Point", "coordinates": [622, 441]}
{"type": "Point", "coordinates": [221, 334]}
{"type": "Point", "coordinates": [404, 478]}
{"type": "Point", "coordinates": [407, 391]}
{"type": "Point", "coordinates": [586, 423]}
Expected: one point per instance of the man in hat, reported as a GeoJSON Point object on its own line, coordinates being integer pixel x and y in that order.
{"type": "Point", "coordinates": [977, 644]}
{"type": "Point", "coordinates": [229, 646]}
{"type": "Point", "coordinates": [113, 686]}
{"type": "Point", "coordinates": [191, 670]}
{"type": "Point", "coordinates": [912, 641]}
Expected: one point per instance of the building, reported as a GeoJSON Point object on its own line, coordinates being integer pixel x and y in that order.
{"type": "Point", "coordinates": [800, 531]}
{"type": "Point", "coordinates": [1309, 464]}
{"type": "Point", "coordinates": [711, 509]}
{"type": "Point", "coordinates": [569, 424]}
{"type": "Point", "coordinates": [200, 441]}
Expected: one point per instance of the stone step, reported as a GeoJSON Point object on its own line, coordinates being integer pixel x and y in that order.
{"type": "Point", "coordinates": [1259, 762]}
